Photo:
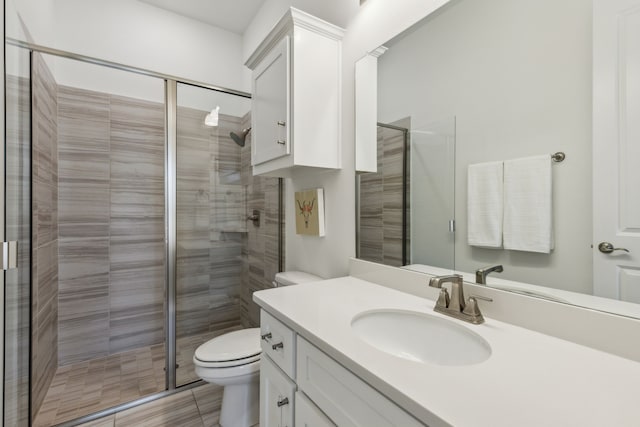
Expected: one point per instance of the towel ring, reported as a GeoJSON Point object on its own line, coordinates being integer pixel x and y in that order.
{"type": "Point", "coordinates": [558, 157]}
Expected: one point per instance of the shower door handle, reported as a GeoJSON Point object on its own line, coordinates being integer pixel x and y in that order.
{"type": "Point", "coordinates": [9, 255]}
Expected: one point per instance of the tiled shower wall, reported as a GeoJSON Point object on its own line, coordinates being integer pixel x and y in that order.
{"type": "Point", "coordinates": [111, 222]}
{"type": "Point", "coordinates": [45, 239]}
{"type": "Point", "coordinates": [260, 246]}
{"type": "Point", "coordinates": [381, 210]}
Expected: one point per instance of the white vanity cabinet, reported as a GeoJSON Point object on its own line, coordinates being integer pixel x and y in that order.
{"type": "Point", "coordinates": [301, 386]}
{"type": "Point", "coordinates": [296, 96]}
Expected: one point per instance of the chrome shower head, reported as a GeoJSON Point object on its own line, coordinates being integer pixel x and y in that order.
{"type": "Point", "coordinates": [241, 137]}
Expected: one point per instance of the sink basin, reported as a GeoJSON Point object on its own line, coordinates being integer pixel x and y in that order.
{"type": "Point", "coordinates": [420, 337]}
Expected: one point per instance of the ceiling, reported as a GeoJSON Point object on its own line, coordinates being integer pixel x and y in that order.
{"type": "Point", "coordinates": [232, 16]}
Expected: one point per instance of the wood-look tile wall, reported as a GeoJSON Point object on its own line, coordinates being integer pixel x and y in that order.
{"type": "Point", "coordinates": [260, 247]}
{"type": "Point", "coordinates": [44, 223]}
{"type": "Point", "coordinates": [111, 221]}
{"type": "Point", "coordinates": [380, 202]}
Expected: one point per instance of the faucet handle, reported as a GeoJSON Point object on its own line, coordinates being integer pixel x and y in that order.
{"type": "Point", "coordinates": [443, 299]}
{"type": "Point", "coordinates": [472, 310]}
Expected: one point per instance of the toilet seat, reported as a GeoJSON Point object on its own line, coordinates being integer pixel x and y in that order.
{"type": "Point", "coordinates": [232, 349]}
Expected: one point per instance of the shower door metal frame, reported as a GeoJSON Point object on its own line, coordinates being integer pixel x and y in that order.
{"type": "Point", "coordinates": [170, 218]}
{"type": "Point", "coordinates": [171, 179]}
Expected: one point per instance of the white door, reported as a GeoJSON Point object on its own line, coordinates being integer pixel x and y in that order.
{"type": "Point", "coordinates": [616, 148]}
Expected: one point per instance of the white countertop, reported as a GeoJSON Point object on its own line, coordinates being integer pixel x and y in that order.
{"type": "Point", "coordinates": [530, 379]}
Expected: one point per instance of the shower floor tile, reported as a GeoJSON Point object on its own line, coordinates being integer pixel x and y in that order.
{"type": "Point", "coordinates": [198, 407]}
{"type": "Point", "coordinates": [87, 387]}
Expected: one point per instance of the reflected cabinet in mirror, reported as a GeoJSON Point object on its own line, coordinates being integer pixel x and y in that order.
{"type": "Point", "coordinates": [472, 103]}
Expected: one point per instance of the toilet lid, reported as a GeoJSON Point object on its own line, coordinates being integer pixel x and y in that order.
{"type": "Point", "coordinates": [231, 346]}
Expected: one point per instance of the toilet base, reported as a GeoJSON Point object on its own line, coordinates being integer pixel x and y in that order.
{"type": "Point", "coordinates": [241, 405]}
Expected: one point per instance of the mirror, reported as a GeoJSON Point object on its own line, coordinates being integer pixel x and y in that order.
{"type": "Point", "coordinates": [512, 79]}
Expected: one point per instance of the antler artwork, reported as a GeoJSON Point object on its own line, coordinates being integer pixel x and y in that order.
{"type": "Point", "coordinates": [305, 209]}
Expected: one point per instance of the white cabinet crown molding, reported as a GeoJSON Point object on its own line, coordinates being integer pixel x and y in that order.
{"type": "Point", "coordinates": [293, 18]}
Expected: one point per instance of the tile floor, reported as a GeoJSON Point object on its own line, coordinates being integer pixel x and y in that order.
{"type": "Point", "coordinates": [87, 387]}
{"type": "Point", "coordinates": [197, 407]}
{"type": "Point", "coordinates": [84, 388]}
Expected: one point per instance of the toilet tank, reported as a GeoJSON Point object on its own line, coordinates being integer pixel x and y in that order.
{"type": "Point", "coordinates": [287, 278]}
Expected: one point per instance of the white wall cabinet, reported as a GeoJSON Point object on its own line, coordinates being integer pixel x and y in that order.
{"type": "Point", "coordinates": [296, 89]}
{"type": "Point", "coordinates": [318, 391]}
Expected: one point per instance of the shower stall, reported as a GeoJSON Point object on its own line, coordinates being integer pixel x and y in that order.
{"type": "Point", "coordinates": [406, 211]}
{"type": "Point", "coordinates": [130, 217]}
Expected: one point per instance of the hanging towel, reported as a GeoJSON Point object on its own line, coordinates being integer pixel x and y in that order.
{"type": "Point", "coordinates": [485, 204]}
{"type": "Point", "coordinates": [527, 204]}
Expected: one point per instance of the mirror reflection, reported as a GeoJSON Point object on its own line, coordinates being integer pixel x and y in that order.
{"type": "Point", "coordinates": [488, 92]}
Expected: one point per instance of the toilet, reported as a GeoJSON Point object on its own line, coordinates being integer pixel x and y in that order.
{"type": "Point", "coordinates": [232, 360]}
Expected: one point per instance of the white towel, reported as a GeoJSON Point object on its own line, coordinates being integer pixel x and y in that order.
{"type": "Point", "coordinates": [527, 204]}
{"type": "Point", "coordinates": [484, 204]}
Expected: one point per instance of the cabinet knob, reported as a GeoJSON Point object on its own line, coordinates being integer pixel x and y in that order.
{"type": "Point", "coordinates": [277, 346]}
{"type": "Point", "coordinates": [281, 123]}
{"type": "Point", "coordinates": [266, 337]}
{"type": "Point", "coordinates": [281, 141]}
{"type": "Point", "coordinates": [283, 402]}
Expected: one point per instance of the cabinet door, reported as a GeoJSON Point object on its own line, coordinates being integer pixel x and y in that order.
{"type": "Point", "coordinates": [308, 414]}
{"type": "Point", "coordinates": [270, 133]}
{"type": "Point", "coordinates": [276, 396]}
{"type": "Point", "coordinates": [345, 398]}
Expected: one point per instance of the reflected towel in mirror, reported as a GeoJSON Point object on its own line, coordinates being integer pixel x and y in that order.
{"type": "Point", "coordinates": [527, 204]}
{"type": "Point", "coordinates": [485, 204]}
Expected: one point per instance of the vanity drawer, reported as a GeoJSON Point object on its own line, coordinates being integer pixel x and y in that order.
{"type": "Point", "coordinates": [278, 343]}
{"type": "Point", "coordinates": [344, 398]}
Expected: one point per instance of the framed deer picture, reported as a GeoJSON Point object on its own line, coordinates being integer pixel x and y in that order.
{"type": "Point", "coordinates": [309, 205]}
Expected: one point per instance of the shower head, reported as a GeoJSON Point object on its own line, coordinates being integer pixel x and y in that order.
{"type": "Point", "coordinates": [239, 138]}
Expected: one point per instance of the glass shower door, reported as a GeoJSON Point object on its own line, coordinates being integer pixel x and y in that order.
{"type": "Point", "coordinates": [432, 190]}
{"type": "Point", "coordinates": [211, 217]}
{"type": "Point", "coordinates": [17, 228]}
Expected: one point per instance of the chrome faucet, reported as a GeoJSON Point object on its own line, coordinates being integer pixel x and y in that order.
{"type": "Point", "coordinates": [482, 273]}
{"type": "Point", "coordinates": [455, 305]}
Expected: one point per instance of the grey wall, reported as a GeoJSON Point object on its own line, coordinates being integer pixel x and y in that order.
{"type": "Point", "coordinates": [529, 94]}
{"type": "Point", "coordinates": [45, 239]}
{"type": "Point", "coordinates": [111, 220]}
